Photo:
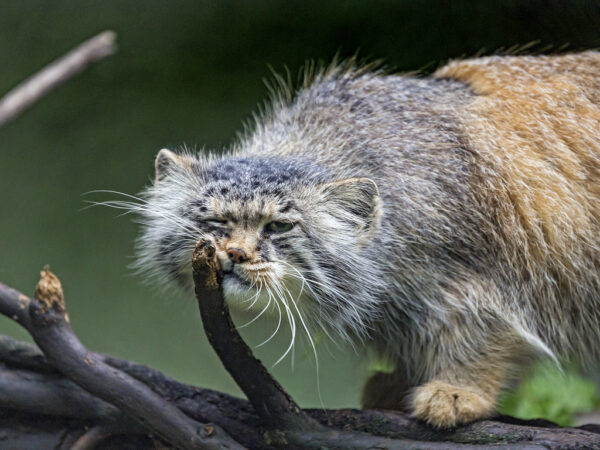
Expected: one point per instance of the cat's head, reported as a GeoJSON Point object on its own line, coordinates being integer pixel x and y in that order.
{"type": "Point", "coordinates": [289, 237]}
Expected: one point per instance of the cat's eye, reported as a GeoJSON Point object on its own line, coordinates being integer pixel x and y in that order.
{"type": "Point", "coordinates": [278, 227]}
{"type": "Point", "coordinates": [216, 221]}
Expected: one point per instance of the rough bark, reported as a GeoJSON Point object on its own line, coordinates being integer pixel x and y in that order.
{"type": "Point", "coordinates": [47, 403]}
{"type": "Point", "coordinates": [59, 421]}
{"type": "Point", "coordinates": [45, 318]}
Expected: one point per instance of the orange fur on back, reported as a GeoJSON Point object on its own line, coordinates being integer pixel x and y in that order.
{"type": "Point", "coordinates": [538, 118]}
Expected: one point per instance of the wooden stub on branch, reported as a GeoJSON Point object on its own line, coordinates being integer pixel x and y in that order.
{"type": "Point", "coordinates": [49, 291]}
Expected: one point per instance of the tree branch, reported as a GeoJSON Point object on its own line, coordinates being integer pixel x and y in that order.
{"type": "Point", "coordinates": [45, 318]}
{"type": "Point", "coordinates": [32, 89]}
{"type": "Point", "coordinates": [288, 424]}
{"type": "Point", "coordinates": [240, 420]}
{"type": "Point", "coordinates": [96, 400]}
{"type": "Point", "coordinates": [345, 428]}
{"type": "Point", "coordinates": [236, 416]}
{"type": "Point", "coordinates": [53, 395]}
{"type": "Point", "coordinates": [271, 402]}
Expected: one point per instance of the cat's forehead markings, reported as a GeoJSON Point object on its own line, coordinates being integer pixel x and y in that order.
{"type": "Point", "coordinates": [270, 208]}
{"type": "Point", "coordinates": [255, 208]}
{"type": "Point", "coordinates": [287, 206]}
{"type": "Point", "coordinates": [216, 204]}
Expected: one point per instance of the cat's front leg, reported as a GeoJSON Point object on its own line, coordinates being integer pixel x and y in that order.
{"type": "Point", "coordinates": [446, 405]}
{"type": "Point", "coordinates": [440, 403]}
{"type": "Point", "coordinates": [461, 390]}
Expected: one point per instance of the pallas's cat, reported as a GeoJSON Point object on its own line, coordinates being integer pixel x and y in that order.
{"type": "Point", "coordinates": [450, 223]}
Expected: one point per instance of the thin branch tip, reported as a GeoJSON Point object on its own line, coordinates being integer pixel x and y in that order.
{"type": "Point", "coordinates": [106, 43]}
{"type": "Point", "coordinates": [108, 36]}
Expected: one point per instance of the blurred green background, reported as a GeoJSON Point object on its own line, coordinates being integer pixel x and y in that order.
{"type": "Point", "coordinates": [189, 72]}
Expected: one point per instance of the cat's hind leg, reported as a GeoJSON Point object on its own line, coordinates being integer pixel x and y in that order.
{"type": "Point", "coordinates": [386, 391]}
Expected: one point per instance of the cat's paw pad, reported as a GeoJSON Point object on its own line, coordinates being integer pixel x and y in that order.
{"type": "Point", "coordinates": [444, 405]}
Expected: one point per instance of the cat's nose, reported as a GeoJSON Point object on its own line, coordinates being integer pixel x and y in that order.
{"type": "Point", "coordinates": [237, 255]}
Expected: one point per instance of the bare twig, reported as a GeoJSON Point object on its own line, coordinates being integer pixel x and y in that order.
{"type": "Point", "coordinates": [289, 425]}
{"type": "Point", "coordinates": [271, 402]}
{"type": "Point", "coordinates": [31, 90]}
{"type": "Point", "coordinates": [46, 319]}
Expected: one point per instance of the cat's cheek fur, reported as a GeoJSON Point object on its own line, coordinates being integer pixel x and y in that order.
{"type": "Point", "coordinates": [233, 292]}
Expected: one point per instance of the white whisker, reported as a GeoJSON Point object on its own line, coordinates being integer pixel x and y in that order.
{"type": "Point", "coordinates": [292, 323]}
{"type": "Point", "coordinates": [254, 299]}
{"type": "Point", "coordinates": [312, 343]}
{"type": "Point", "coordinates": [276, 329]}
{"type": "Point", "coordinates": [259, 314]}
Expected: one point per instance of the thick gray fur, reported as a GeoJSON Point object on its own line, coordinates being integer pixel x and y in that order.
{"type": "Point", "coordinates": [415, 268]}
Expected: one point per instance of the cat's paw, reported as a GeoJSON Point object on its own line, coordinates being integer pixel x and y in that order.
{"type": "Point", "coordinates": [444, 405]}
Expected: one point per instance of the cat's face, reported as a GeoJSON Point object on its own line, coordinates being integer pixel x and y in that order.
{"type": "Point", "coordinates": [288, 239]}
{"type": "Point", "coordinates": [254, 235]}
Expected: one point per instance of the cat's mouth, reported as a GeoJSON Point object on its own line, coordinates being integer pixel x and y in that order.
{"type": "Point", "coordinates": [258, 276]}
{"type": "Point", "coordinates": [231, 276]}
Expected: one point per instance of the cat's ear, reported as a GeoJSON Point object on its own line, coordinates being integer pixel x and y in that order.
{"type": "Point", "coordinates": [354, 201]}
{"type": "Point", "coordinates": [167, 161]}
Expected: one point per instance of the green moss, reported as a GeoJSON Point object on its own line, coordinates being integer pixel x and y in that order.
{"type": "Point", "coordinates": [381, 365]}
{"type": "Point", "coordinates": [551, 394]}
